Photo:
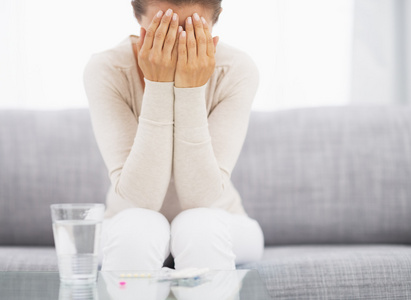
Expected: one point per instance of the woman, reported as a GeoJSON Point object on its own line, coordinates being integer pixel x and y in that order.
{"type": "Point", "coordinates": [170, 112]}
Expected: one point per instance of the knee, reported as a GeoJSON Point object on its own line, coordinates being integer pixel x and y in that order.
{"type": "Point", "coordinates": [200, 237]}
{"type": "Point", "coordinates": [138, 224]}
{"type": "Point", "coordinates": [200, 224]}
{"type": "Point", "coordinates": [136, 238]}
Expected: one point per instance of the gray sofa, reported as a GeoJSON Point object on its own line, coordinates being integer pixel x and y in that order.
{"type": "Point", "coordinates": [330, 186]}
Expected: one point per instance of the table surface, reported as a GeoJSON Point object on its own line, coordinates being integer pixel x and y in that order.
{"type": "Point", "coordinates": [218, 285]}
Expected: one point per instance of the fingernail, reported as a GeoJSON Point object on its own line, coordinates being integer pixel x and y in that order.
{"type": "Point", "coordinates": [196, 17]}
{"type": "Point", "coordinates": [180, 28]}
{"type": "Point", "coordinates": [189, 21]}
{"type": "Point", "coordinates": [204, 21]}
{"type": "Point", "coordinates": [168, 12]}
{"type": "Point", "coordinates": [174, 17]}
{"type": "Point", "coordinates": [160, 13]}
{"type": "Point", "coordinates": [183, 34]}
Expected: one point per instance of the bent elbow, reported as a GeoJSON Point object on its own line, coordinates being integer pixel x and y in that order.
{"type": "Point", "coordinates": [138, 199]}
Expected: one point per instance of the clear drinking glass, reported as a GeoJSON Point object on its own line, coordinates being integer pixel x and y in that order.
{"type": "Point", "coordinates": [77, 232]}
{"type": "Point", "coordinates": [78, 291]}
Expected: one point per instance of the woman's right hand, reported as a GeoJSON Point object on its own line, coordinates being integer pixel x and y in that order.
{"type": "Point", "coordinates": [157, 47]}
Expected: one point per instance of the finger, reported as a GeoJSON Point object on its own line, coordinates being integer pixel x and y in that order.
{"type": "Point", "coordinates": [140, 40]}
{"type": "Point", "coordinates": [161, 32]}
{"type": "Point", "coordinates": [200, 35]}
{"type": "Point", "coordinates": [150, 32]}
{"type": "Point", "coordinates": [210, 42]}
{"type": "Point", "coordinates": [182, 48]}
{"type": "Point", "coordinates": [191, 40]}
{"type": "Point", "coordinates": [174, 54]}
{"type": "Point", "coordinates": [171, 36]}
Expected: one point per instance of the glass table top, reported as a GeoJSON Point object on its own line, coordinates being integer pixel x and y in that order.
{"type": "Point", "coordinates": [124, 285]}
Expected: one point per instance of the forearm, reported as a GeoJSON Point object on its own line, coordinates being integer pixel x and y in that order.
{"type": "Point", "coordinates": [198, 178]}
{"type": "Point", "coordinates": [146, 173]}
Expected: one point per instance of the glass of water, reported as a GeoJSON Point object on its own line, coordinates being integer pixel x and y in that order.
{"type": "Point", "coordinates": [77, 231]}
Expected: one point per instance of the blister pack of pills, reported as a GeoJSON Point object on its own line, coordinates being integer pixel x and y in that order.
{"type": "Point", "coordinates": [187, 277]}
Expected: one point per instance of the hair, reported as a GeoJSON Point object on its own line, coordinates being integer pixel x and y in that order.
{"type": "Point", "coordinates": [140, 6]}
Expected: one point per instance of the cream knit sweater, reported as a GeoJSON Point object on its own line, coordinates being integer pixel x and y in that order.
{"type": "Point", "coordinates": [165, 148]}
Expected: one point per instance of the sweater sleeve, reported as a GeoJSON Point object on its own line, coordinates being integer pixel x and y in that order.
{"type": "Point", "coordinates": [206, 149]}
{"type": "Point", "coordinates": [138, 155]}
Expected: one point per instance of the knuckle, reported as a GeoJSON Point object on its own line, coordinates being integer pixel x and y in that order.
{"type": "Point", "coordinates": [153, 59]}
{"type": "Point", "coordinates": [143, 57]}
{"type": "Point", "coordinates": [202, 39]}
{"type": "Point", "coordinates": [169, 41]}
{"type": "Point", "coordinates": [155, 21]}
{"type": "Point", "coordinates": [203, 64]}
{"type": "Point", "coordinates": [191, 68]}
{"type": "Point", "coordinates": [159, 35]}
{"type": "Point", "coordinates": [142, 53]}
{"type": "Point", "coordinates": [189, 28]}
{"type": "Point", "coordinates": [173, 24]}
{"type": "Point", "coordinates": [165, 19]}
{"type": "Point", "coordinates": [191, 43]}
{"type": "Point", "coordinates": [150, 32]}
{"type": "Point", "coordinates": [169, 63]}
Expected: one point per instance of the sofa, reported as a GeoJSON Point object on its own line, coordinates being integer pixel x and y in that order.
{"type": "Point", "coordinates": [330, 186]}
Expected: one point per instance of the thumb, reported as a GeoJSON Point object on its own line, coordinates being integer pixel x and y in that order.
{"type": "Point", "coordinates": [215, 41]}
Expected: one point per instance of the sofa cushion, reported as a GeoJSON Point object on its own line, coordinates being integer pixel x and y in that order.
{"type": "Point", "coordinates": [28, 258]}
{"type": "Point", "coordinates": [336, 271]}
{"type": "Point", "coordinates": [45, 157]}
{"type": "Point", "coordinates": [36, 259]}
{"type": "Point", "coordinates": [328, 174]}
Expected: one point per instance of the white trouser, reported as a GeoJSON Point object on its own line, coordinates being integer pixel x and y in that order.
{"type": "Point", "coordinates": [141, 239]}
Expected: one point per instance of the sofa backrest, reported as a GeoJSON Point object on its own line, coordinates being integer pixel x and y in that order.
{"type": "Point", "coordinates": [329, 175]}
{"type": "Point", "coordinates": [308, 175]}
{"type": "Point", "coordinates": [46, 157]}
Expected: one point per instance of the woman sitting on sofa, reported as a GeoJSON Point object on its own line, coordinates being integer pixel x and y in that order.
{"type": "Point", "coordinates": [170, 111]}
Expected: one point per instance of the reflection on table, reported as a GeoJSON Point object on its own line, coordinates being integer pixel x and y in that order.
{"type": "Point", "coordinates": [214, 285]}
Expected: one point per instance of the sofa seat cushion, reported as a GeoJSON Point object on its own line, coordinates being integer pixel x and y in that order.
{"type": "Point", "coordinates": [372, 271]}
{"type": "Point", "coordinates": [22, 258]}
{"type": "Point", "coordinates": [28, 258]}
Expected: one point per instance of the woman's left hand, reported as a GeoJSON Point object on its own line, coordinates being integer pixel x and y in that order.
{"type": "Point", "coordinates": [196, 49]}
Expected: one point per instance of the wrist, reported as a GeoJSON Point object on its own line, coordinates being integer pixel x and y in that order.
{"type": "Point", "coordinates": [158, 102]}
{"type": "Point", "coordinates": [190, 107]}
{"type": "Point", "coordinates": [157, 81]}
{"type": "Point", "coordinates": [188, 86]}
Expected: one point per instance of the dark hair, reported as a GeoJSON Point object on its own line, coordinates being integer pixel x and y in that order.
{"type": "Point", "coordinates": [139, 6]}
